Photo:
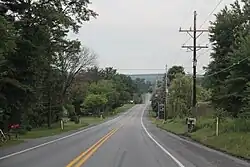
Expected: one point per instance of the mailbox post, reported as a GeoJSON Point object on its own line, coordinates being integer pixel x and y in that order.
{"type": "Point", "coordinates": [161, 110]}
{"type": "Point", "coordinates": [191, 122]}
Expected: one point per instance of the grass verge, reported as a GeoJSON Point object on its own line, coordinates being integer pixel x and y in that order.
{"type": "Point", "coordinates": [234, 143]}
{"type": "Point", "coordinates": [69, 126]}
{"type": "Point", "coordinates": [123, 108]}
{"type": "Point", "coordinates": [11, 143]}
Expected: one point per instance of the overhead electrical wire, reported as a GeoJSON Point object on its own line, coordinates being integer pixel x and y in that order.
{"type": "Point", "coordinates": [212, 12]}
{"type": "Point", "coordinates": [127, 69]}
{"type": "Point", "coordinates": [228, 68]}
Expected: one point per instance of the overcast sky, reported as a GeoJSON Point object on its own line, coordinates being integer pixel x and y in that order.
{"type": "Point", "coordinates": [144, 34]}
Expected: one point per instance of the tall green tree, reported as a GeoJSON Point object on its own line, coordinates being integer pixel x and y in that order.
{"type": "Point", "coordinates": [39, 39]}
{"type": "Point", "coordinates": [173, 71]}
{"type": "Point", "coordinates": [226, 74]}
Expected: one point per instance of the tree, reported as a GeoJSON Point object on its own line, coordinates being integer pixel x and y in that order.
{"type": "Point", "coordinates": [94, 103]}
{"type": "Point", "coordinates": [142, 85]}
{"type": "Point", "coordinates": [33, 35]}
{"type": "Point", "coordinates": [179, 96]}
{"type": "Point", "coordinates": [101, 87]}
{"type": "Point", "coordinates": [173, 71]}
{"type": "Point", "coordinates": [108, 73]}
{"type": "Point", "coordinates": [41, 70]}
{"type": "Point", "coordinates": [72, 61]}
{"type": "Point", "coordinates": [227, 77]}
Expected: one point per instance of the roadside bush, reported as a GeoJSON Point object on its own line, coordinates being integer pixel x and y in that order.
{"type": "Point", "coordinates": [75, 119]}
{"type": "Point", "coordinates": [70, 110]}
{"type": "Point", "coordinates": [28, 127]}
{"type": "Point", "coordinates": [242, 125]}
{"type": "Point", "coordinates": [22, 130]}
{"type": "Point", "coordinates": [235, 125]}
{"type": "Point", "coordinates": [205, 123]}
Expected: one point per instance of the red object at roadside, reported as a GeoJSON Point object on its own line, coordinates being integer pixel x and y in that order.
{"type": "Point", "coordinates": [14, 126]}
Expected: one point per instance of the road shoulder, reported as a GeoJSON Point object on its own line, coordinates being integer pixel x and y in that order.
{"type": "Point", "coordinates": [193, 152]}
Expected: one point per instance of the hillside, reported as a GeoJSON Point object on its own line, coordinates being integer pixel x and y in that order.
{"type": "Point", "coordinates": [148, 77]}
{"type": "Point", "coordinates": [152, 77]}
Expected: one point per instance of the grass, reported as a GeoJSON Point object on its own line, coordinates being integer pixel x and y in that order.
{"type": "Point", "coordinates": [91, 120]}
{"type": "Point", "coordinates": [11, 143]}
{"type": "Point", "coordinates": [123, 108]}
{"type": "Point", "coordinates": [69, 126]}
{"type": "Point", "coordinates": [44, 132]}
{"type": "Point", "coordinates": [173, 126]}
{"type": "Point", "coordinates": [229, 141]}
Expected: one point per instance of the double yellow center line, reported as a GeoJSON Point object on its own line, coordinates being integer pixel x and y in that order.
{"type": "Point", "coordinates": [83, 157]}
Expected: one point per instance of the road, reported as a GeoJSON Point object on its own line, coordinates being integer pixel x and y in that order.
{"type": "Point", "coordinates": [130, 140]}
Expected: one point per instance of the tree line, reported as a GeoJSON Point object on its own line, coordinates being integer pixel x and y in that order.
{"type": "Point", "coordinates": [179, 96]}
{"type": "Point", "coordinates": [43, 71]}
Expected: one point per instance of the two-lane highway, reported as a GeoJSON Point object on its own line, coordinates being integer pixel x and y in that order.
{"type": "Point", "coordinates": [127, 141]}
{"type": "Point", "coordinates": [130, 147]}
{"type": "Point", "coordinates": [119, 143]}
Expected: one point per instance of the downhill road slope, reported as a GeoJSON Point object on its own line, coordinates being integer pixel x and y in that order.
{"type": "Point", "coordinates": [127, 141]}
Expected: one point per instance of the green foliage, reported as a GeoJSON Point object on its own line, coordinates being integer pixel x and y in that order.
{"type": "Point", "coordinates": [42, 72]}
{"type": "Point", "coordinates": [142, 85]}
{"type": "Point", "coordinates": [173, 71]}
{"type": "Point", "coordinates": [94, 101]}
{"type": "Point", "coordinates": [106, 84]}
{"type": "Point", "coordinates": [101, 87]}
{"type": "Point", "coordinates": [227, 75]}
{"type": "Point", "coordinates": [179, 96]}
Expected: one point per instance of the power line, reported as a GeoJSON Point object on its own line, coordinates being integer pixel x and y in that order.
{"type": "Point", "coordinates": [123, 69]}
{"type": "Point", "coordinates": [228, 68]}
{"type": "Point", "coordinates": [187, 40]}
{"type": "Point", "coordinates": [217, 5]}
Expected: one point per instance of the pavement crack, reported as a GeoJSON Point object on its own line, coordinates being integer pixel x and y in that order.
{"type": "Point", "coordinates": [121, 160]}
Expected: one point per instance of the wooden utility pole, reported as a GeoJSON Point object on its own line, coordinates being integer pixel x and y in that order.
{"type": "Point", "coordinates": [194, 48]}
{"type": "Point", "coordinates": [166, 94]}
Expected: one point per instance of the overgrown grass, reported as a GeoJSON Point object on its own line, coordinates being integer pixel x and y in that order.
{"type": "Point", "coordinates": [56, 129]}
{"type": "Point", "coordinates": [69, 126]}
{"type": "Point", "coordinates": [233, 135]}
{"type": "Point", "coordinates": [174, 126]}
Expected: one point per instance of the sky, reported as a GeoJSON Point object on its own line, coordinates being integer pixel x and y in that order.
{"type": "Point", "coordinates": [142, 36]}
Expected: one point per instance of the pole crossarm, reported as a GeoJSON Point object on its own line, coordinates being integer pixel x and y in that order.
{"type": "Point", "coordinates": [194, 33]}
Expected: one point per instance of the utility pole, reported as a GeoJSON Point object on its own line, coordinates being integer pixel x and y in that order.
{"type": "Point", "coordinates": [166, 94]}
{"type": "Point", "coordinates": [194, 48]}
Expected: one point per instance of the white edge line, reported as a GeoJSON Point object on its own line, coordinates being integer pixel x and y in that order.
{"type": "Point", "coordinates": [163, 149]}
{"type": "Point", "coordinates": [56, 140]}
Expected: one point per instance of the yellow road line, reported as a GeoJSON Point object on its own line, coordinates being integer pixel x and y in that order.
{"type": "Point", "coordinates": [84, 159]}
{"type": "Point", "coordinates": [92, 147]}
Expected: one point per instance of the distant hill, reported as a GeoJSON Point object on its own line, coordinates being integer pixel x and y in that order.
{"type": "Point", "coordinates": [152, 77]}
{"type": "Point", "coordinates": [148, 77]}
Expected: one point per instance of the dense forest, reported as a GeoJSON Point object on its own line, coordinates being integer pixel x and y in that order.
{"type": "Point", "coordinates": [44, 73]}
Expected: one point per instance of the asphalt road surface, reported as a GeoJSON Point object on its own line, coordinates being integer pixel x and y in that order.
{"type": "Point", "coordinates": [129, 140]}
